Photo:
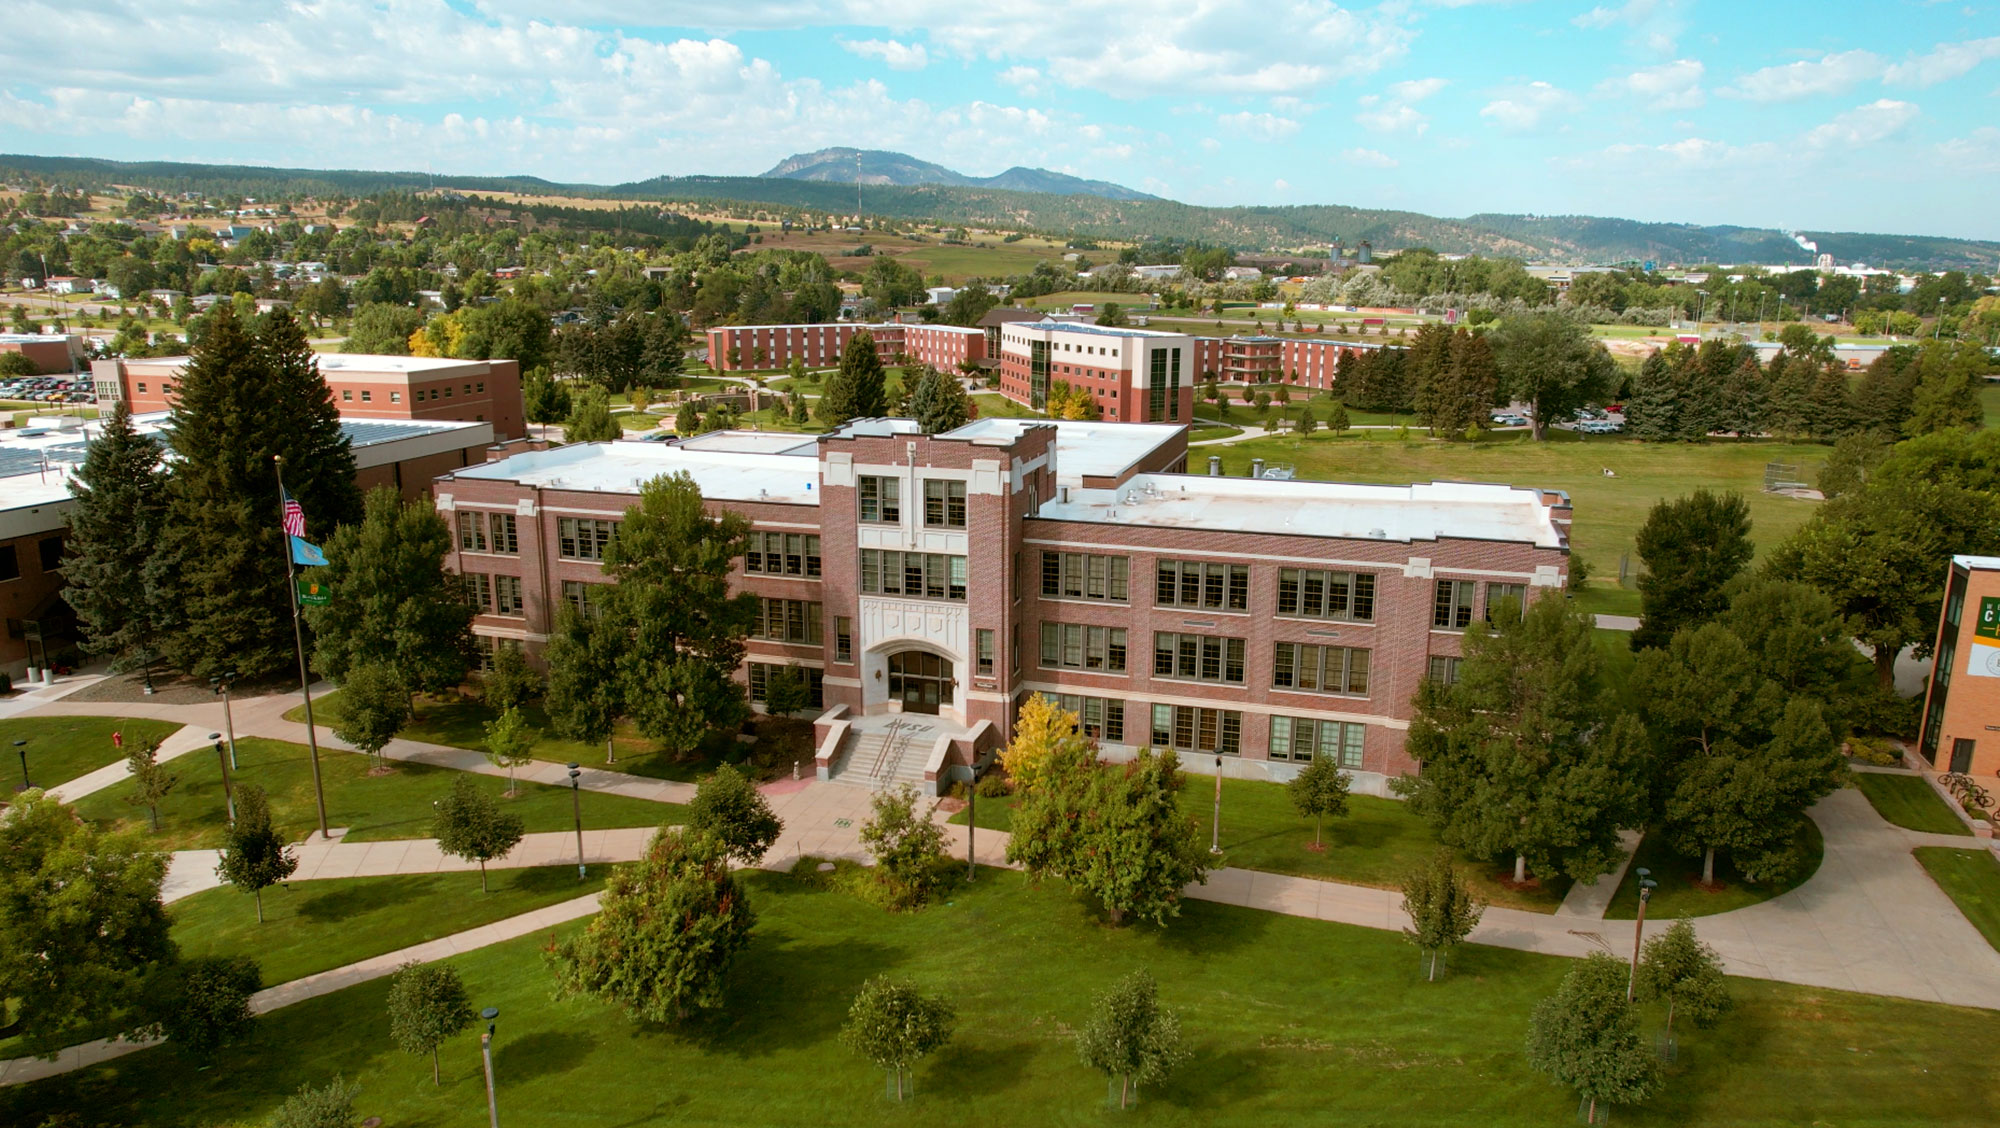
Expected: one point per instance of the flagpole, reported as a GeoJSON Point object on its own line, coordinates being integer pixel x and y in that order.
{"type": "Point", "coordinates": [299, 643]}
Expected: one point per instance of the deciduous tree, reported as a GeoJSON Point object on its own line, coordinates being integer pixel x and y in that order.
{"type": "Point", "coordinates": [470, 825]}
{"type": "Point", "coordinates": [254, 854]}
{"type": "Point", "coordinates": [729, 809]}
{"type": "Point", "coordinates": [894, 1025]}
{"type": "Point", "coordinates": [1319, 790]}
{"type": "Point", "coordinates": [151, 781]}
{"type": "Point", "coordinates": [1115, 831]}
{"type": "Point", "coordinates": [509, 682]}
{"type": "Point", "coordinates": [203, 1003]}
{"type": "Point", "coordinates": [590, 418]}
{"type": "Point", "coordinates": [1130, 1036]}
{"type": "Point", "coordinates": [907, 845]}
{"type": "Point", "coordinates": [666, 931]}
{"type": "Point", "coordinates": [1691, 547]}
{"type": "Point", "coordinates": [1550, 360]}
{"type": "Point", "coordinates": [427, 1004]}
{"type": "Point", "coordinates": [1044, 733]}
{"type": "Point", "coordinates": [374, 706]}
{"type": "Point", "coordinates": [510, 743]}
{"type": "Point", "coordinates": [1587, 1037]}
{"type": "Point", "coordinates": [584, 697]}
{"type": "Point", "coordinates": [1678, 968]}
{"type": "Point", "coordinates": [1442, 909]}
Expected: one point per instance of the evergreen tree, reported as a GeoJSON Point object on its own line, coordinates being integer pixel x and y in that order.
{"type": "Point", "coordinates": [800, 414]}
{"type": "Point", "coordinates": [254, 854]}
{"type": "Point", "coordinates": [395, 606]}
{"type": "Point", "coordinates": [590, 418]}
{"type": "Point", "coordinates": [220, 569]}
{"type": "Point", "coordinates": [666, 931]}
{"type": "Point", "coordinates": [1586, 1036]}
{"type": "Point", "coordinates": [1887, 392]}
{"type": "Point", "coordinates": [1526, 754]}
{"type": "Point", "coordinates": [1691, 547]}
{"type": "Point", "coordinates": [1788, 410]}
{"type": "Point", "coordinates": [939, 403]}
{"type": "Point", "coordinates": [1829, 411]}
{"type": "Point", "coordinates": [1428, 365]}
{"type": "Point", "coordinates": [470, 825]}
{"type": "Point", "coordinates": [728, 808]}
{"type": "Point", "coordinates": [894, 1025]}
{"type": "Point", "coordinates": [427, 1004]}
{"type": "Point", "coordinates": [1947, 391]}
{"type": "Point", "coordinates": [1743, 398]}
{"type": "Point", "coordinates": [859, 389]}
{"type": "Point", "coordinates": [1130, 1036]}
{"type": "Point", "coordinates": [1475, 379]}
{"type": "Point", "coordinates": [545, 398]}
{"type": "Point", "coordinates": [1337, 421]}
{"type": "Point", "coordinates": [114, 526]}
{"type": "Point", "coordinates": [1687, 974]}
{"type": "Point", "coordinates": [1652, 412]}
{"type": "Point", "coordinates": [670, 565]}
{"type": "Point", "coordinates": [787, 691]}
{"type": "Point", "coordinates": [1442, 909]}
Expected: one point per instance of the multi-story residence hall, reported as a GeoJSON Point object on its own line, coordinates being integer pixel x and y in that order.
{"type": "Point", "coordinates": [933, 582]}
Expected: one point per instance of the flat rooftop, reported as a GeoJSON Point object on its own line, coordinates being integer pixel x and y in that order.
{"type": "Point", "coordinates": [1978, 563]}
{"type": "Point", "coordinates": [1430, 511]}
{"type": "Point", "coordinates": [332, 363]}
{"type": "Point", "coordinates": [1096, 330]}
{"type": "Point", "coordinates": [622, 467]}
{"type": "Point", "coordinates": [1083, 449]}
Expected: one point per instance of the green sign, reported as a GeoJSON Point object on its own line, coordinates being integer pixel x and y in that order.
{"type": "Point", "coordinates": [313, 593]}
{"type": "Point", "coordinates": [1989, 618]}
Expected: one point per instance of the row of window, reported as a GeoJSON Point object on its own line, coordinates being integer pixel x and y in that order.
{"type": "Point", "coordinates": [493, 595]}
{"type": "Point", "coordinates": [760, 680]}
{"type": "Point", "coordinates": [1330, 669]}
{"type": "Point", "coordinates": [1187, 583]}
{"type": "Point", "coordinates": [923, 575]}
{"type": "Point", "coordinates": [1451, 606]}
{"type": "Point", "coordinates": [787, 620]}
{"type": "Point", "coordinates": [1068, 646]}
{"type": "Point", "coordinates": [1080, 575]}
{"type": "Point", "coordinates": [584, 538]}
{"type": "Point", "coordinates": [881, 501]}
{"type": "Point", "coordinates": [1302, 738]}
{"type": "Point", "coordinates": [1189, 728]}
{"type": "Point", "coordinates": [488, 532]}
{"type": "Point", "coordinates": [1196, 657]}
{"type": "Point", "coordinates": [782, 554]}
{"type": "Point", "coordinates": [48, 549]}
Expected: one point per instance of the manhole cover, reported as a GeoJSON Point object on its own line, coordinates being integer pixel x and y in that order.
{"type": "Point", "coordinates": [843, 822]}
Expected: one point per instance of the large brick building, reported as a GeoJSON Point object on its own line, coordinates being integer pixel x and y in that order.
{"type": "Point", "coordinates": [952, 575]}
{"type": "Point", "coordinates": [734, 348]}
{"type": "Point", "coordinates": [1961, 730]}
{"type": "Point", "coordinates": [417, 388]}
{"type": "Point", "coordinates": [1134, 375]}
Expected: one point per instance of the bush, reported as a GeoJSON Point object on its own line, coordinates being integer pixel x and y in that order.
{"type": "Point", "coordinates": [994, 786]}
{"type": "Point", "coordinates": [1874, 750]}
{"type": "Point", "coordinates": [331, 1107]}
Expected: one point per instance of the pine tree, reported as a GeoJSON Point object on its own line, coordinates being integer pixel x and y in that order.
{"type": "Point", "coordinates": [939, 403]}
{"type": "Point", "coordinates": [1691, 547]}
{"type": "Point", "coordinates": [396, 605]}
{"type": "Point", "coordinates": [1829, 410]}
{"type": "Point", "coordinates": [590, 418]}
{"type": "Point", "coordinates": [859, 389]}
{"type": "Point", "coordinates": [254, 854]}
{"type": "Point", "coordinates": [114, 526]}
{"type": "Point", "coordinates": [1653, 410]}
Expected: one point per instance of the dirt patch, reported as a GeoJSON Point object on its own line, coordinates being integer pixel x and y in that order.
{"type": "Point", "coordinates": [173, 689]}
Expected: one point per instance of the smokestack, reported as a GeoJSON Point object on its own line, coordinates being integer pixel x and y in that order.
{"type": "Point", "coordinates": [1215, 466]}
{"type": "Point", "coordinates": [1256, 468]}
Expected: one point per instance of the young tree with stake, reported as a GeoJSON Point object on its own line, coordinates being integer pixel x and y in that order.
{"type": "Point", "coordinates": [1319, 791]}
{"type": "Point", "coordinates": [895, 1025]}
{"type": "Point", "coordinates": [1130, 1036]}
{"type": "Point", "coordinates": [1586, 1036]}
{"type": "Point", "coordinates": [151, 781]}
{"type": "Point", "coordinates": [1442, 910]}
{"type": "Point", "coordinates": [908, 847]}
{"type": "Point", "coordinates": [374, 706]}
{"type": "Point", "coordinates": [1677, 967]}
{"type": "Point", "coordinates": [427, 1004]}
{"type": "Point", "coordinates": [510, 743]}
{"type": "Point", "coordinates": [470, 825]}
{"type": "Point", "coordinates": [254, 854]}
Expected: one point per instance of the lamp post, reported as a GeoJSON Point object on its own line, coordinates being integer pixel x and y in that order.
{"type": "Point", "coordinates": [21, 746]}
{"type": "Point", "coordinates": [576, 807]}
{"type": "Point", "coordinates": [1215, 823]}
{"type": "Point", "coordinates": [222, 757]}
{"type": "Point", "coordinates": [221, 684]}
{"type": "Point", "coordinates": [486, 1052]}
{"type": "Point", "coordinates": [1646, 886]}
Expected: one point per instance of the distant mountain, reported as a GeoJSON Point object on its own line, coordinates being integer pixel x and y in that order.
{"type": "Point", "coordinates": [875, 166]}
{"type": "Point", "coordinates": [1053, 206]}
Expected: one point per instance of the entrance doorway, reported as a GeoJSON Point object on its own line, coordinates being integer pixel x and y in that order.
{"type": "Point", "coordinates": [920, 680]}
{"type": "Point", "coordinates": [1961, 755]}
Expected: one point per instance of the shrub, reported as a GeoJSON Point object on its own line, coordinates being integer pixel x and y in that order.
{"type": "Point", "coordinates": [994, 786]}
{"type": "Point", "coordinates": [1874, 750]}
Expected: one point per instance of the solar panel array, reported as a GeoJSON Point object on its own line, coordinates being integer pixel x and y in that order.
{"type": "Point", "coordinates": [363, 433]}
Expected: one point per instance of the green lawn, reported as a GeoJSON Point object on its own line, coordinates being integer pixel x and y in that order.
{"type": "Point", "coordinates": [1680, 892]}
{"type": "Point", "coordinates": [311, 926]}
{"type": "Point", "coordinates": [1288, 1021]}
{"type": "Point", "coordinates": [640, 420]}
{"type": "Point", "coordinates": [1608, 511]}
{"type": "Point", "coordinates": [63, 748]}
{"type": "Point", "coordinates": [1378, 843]}
{"type": "Point", "coordinates": [993, 405]}
{"type": "Point", "coordinates": [372, 807]}
{"type": "Point", "coordinates": [1212, 431]}
{"type": "Point", "coordinates": [1971, 878]}
{"type": "Point", "coordinates": [1909, 802]}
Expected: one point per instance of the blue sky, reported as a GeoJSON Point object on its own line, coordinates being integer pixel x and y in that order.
{"type": "Point", "coordinates": [1880, 116]}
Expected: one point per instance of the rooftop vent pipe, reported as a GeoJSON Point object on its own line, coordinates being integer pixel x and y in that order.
{"type": "Point", "coordinates": [1215, 466]}
{"type": "Point", "coordinates": [1256, 468]}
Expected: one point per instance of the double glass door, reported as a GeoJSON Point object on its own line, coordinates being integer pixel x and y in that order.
{"type": "Point", "coordinates": [920, 680]}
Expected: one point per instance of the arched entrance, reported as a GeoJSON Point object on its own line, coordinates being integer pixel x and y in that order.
{"type": "Point", "coordinates": [920, 680]}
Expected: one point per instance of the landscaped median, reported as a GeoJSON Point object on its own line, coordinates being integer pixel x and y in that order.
{"type": "Point", "coordinates": [1680, 892]}
{"type": "Point", "coordinates": [60, 749]}
{"type": "Point", "coordinates": [1378, 843]}
{"type": "Point", "coordinates": [1971, 878]}
{"type": "Point", "coordinates": [1289, 1020]}
{"type": "Point", "coordinates": [393, 800]}
{"type": "Point", "coordinates": [1908, 801]}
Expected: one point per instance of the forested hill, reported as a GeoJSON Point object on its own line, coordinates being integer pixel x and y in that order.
{"type": "Point", "coordinates": [1572, 239]}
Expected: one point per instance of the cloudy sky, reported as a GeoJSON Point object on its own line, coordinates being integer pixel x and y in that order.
{"type": "Point", "coordinates": [1878, 116]}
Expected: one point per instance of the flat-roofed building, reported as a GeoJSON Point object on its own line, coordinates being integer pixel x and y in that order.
{"type": "Point", "coordinates": [733, 348]}
{"type": "Point", "coordinates": [1133, 375]}
{"type": "Point", "coordinates": [430, 389]}
{"type": "Point", "coordinates": [938, 580]}
{"type": "Point", "coordinates": [1961, 730]}
{"type": "Point", "coordinates": [51, 352]}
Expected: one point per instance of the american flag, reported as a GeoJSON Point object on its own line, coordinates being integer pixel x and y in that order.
{"type": "Point", "coordinates": [295, 518]}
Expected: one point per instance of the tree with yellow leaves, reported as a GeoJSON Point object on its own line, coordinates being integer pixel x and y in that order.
{"type": "Point", "coordinates": [1042, 730]}
{"type": "Point", "coordinates": [440, 336]}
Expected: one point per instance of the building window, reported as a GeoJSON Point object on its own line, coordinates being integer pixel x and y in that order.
{"type": "Point", "coordinates": [479, 592]}
{"type": "Point", "coordinates": [395, 397]}
{"type": "Point", "coordinates": [366, 395]}
{"type": "Point", "coordinates": [1312, 594]}
{"type": "Point", "coordinates": [582, 538]}
{"type": "Point", "coordinates": [1954, 607]}
{"type": "Point", "coordinates": [788, 620]}
{"type": "Point", "coordinates": [468, 387]}
{"type": "Point", "coordinates": [507, 595]}
{"type": "Point", "coordinates": [983, 652]}
{"type": "Point", "coordinates": [1497, 594]}
{"type": "Point", "coordinates": [1452, 609]}
{"type": "Point", "coordinates": [782, 554]}
{"type": "Point", "coordinates": [50, 549]}
{"type": "Point", "coordinates": [1302, 738]}
{"type": "Point", "coordinates": [843, 639]}
{"type": "Point", "coordinates": [1099, 718]}
{"type": "Point", "coordinates": [447, 391]}
{"type": "Point", "coordinates": [944, 504]}
{"type": "Point", "coordinates": [1189, 729]}
{"type": "Point", "coordinates": [1322, 669]}
{"type": "Point", "coordinates": [1444, 669]}
{"type": "Point", "coordinates": [471, 532]}
{"type": "Point", "coordinates": [921, 575]}
{"type": "Point", "coordinates": [881, 500]}
{"type": "Point", "coordinates": [505, 535]}
{"type": "Point", "coordinates": [142, 387]}
{"type": "Point", "coordinates": [1080, 575]}
{"type": "Point", "coordinates": [1198, 657]}
{"type": "Point", "coordinates": [1072, 646]}
{"type": "Point", "coordinates": [578, 594]}
{"type": "Point", "coordinates": [760, 679]}
{"type": "Point", "coordinates": [482, 387]}
{"type": "Point", "coordinates": [346, 394]}
{"type": "Point", "coordinates": [487, 646]}
{"type": "Point", "coordinates": [1217, 587]}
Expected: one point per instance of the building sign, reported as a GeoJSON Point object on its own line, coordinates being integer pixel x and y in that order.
{"type": "Point", "coordinates": [1984, 661]}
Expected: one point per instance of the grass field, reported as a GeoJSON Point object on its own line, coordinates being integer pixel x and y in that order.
{"type": "Point", "coordinates": [1680, 892]}
{"type": "Point", "coordinates": [1909, 802]}
{"type": "Point", "coordinates": [312, 926]}
{"type": "Point", "coordinates": [1288, 1021]}
{"type": "Point", "coordinates": [1971, 878]}
{"type": "Point", "coordinates": [372, 807]}
{"type": "Point", "coordinates": [993, 405]}
{"type": "Point", "coordinates": [1378, 842]}
{"type": "Point", "coordinates": [63, 748]}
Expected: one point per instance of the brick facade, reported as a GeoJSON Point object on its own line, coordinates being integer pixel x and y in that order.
{"type": "Point", "coordinates": [734, 348]}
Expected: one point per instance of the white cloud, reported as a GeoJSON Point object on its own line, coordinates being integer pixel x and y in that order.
{"type": "Point", "coordinates": [1281, 184]}
{"type": "Point", "coordinates": [1210, 145]}
{"type": "Point", "coordinates": [1417, 89]}
{"type": "Point", "coordinates": [1833, 74]}
{"type": "Point", "coordinates": [1635, 11]}
{"type": "Point", "coordinates": [1945, 62]}
{"type": "Point", "coordinates": [1370, 158]}
{"type": "Point", "coordinates": [1392, 118]}
{"type": "Point", "coordinates": [1656, 24]}
{"type": "Point", "coordinates": [1263, 127]}
{"type": "Point", "coordinates": [1978, 151]}
{"type": "Point", "coordinates": [1669, 86]}
{"type": "Point", "coordinates": [894, 55]}
{"type": "Point", "coordinates": [1863, 125]}
{"type": "Point", "coordinates": [1527, 107]}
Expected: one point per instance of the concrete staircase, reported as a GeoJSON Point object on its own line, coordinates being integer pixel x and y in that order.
{"type": "Point", "coordinates": [884, 759]}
